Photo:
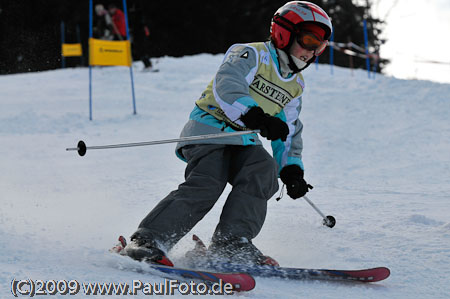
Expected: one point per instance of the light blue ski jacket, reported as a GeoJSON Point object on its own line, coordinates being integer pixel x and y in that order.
{"type": "Point", "coordinates": [249, 76]}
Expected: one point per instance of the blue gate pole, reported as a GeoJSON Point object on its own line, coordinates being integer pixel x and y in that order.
{"type": "Point", "coordinates": [331, 52]}
{"type": "Point", "coordinates": [366, 45]}
{"type": "Point", "coordinates": [375, 66]}
{"type": "Point", "coordinates": [90, 67]}
{"type": "Point", "coordinates": [317, 62]}
{"type": "Point", "coordinates": [63, 59]}
{"type": "Point", "coordinates": [131, 66]}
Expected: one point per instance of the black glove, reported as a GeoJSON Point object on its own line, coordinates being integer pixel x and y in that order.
{"type": "Point", "coordinates": [271, 127]}
{"type": "Point", "coordinates": [296, 186]}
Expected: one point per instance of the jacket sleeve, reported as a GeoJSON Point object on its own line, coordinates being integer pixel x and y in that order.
{"type": "Point", "coordinates": [290, 151]}
{"type": "Point", "coordinates": [232, 81]}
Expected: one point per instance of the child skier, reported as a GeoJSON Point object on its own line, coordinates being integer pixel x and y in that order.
{"type": "Point", "coordinates": [258, 86]}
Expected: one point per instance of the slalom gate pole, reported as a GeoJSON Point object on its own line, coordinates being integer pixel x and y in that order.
{"type": "Point", "coordinates": [329, 220]}
{"type": "Point", "coordinates": [366, 44]}
{"type": "Point", "coordinates": [125, 12]}
{"type": "Point", "coordinates": [89, 57]}
{"type": "Point", "coordinates": [82, 148]}
{"type": "Point", "coordinates": [63, 40]}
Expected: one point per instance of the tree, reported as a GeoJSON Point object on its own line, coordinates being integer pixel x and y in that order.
{"type": "Point", "coordinates": [30, 31]}
{"type": "Point", "coordinates": [347, 18]}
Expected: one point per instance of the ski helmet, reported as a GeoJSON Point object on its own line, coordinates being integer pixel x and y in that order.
{"type": "Point", "coordinates": [294, 16]}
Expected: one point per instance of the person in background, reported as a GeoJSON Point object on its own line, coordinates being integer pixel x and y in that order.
{"type": "Point", "coordinates": [142, 32]}
{"type": "Point", "coordinates": [103, 28]}
{"type": "Point", "coordinates": [148, 67]}
{"type": "Point", "coordinates": [118, 22]}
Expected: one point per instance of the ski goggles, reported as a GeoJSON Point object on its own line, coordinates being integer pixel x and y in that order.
{"type": "Point", "coordinates": [311, 42]}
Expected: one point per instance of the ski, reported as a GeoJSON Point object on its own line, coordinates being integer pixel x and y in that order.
{"type": "Point", "coordinates": [240, 281]}
{"type": "Point", "coordinates": [362, 275]}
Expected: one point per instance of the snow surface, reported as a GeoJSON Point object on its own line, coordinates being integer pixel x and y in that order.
{"type": "Point", "coordinates": [376, 151]}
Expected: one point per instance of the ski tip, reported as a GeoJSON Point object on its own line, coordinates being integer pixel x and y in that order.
{"type": "Point", "coordinates": [382, 274]}
{"type": "Point", "coordinates": [123, 241]}
{"type": "Point", "coordinates": [119, 248]}
{"type": "Point", "coordinates": [242, 282]}
{"type": "Point", "coordinates": [198, 242]}
{"type": "Point", "coordinates": [370, 275]}
{"type": "Point", "coordinates": [249, 285]}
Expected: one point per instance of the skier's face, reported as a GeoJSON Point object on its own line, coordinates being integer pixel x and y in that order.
{"type": "Point", "coordinates": [301, 53]}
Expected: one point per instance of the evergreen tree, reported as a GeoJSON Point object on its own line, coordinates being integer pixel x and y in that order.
{"type": "Point", "coordinates": [31, 30]}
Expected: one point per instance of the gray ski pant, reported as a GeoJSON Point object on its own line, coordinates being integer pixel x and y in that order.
{"type": "Point", "coordinates": [250, 170]}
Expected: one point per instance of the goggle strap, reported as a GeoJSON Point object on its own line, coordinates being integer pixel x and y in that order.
{"type": "Point", "coordinates": [283, 22]}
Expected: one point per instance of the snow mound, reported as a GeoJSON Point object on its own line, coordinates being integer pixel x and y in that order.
{"type": "Point", "coordinates": [376, 151]}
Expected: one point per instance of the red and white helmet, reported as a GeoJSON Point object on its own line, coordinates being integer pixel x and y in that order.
{"type": "Point", "coordinates": [289, 19]}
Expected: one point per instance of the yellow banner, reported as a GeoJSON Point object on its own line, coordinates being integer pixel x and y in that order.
{"type": "Point", "coordinates": [71, 50]}
{"type": "Point", "coordinates": [105, 52]}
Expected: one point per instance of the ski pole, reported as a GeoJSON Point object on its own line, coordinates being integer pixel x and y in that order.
{"type": "Point", "coordinates": [82, 148]}
{"type": "Point", "coordinates": [329, 220]}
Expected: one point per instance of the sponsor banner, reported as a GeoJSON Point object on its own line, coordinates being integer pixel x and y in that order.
{"type": "Point", "coordinates": [104, 52]}
{"type": "Point", "coordinates": [69, 50]}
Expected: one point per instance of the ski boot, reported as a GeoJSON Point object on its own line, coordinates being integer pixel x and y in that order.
{"type": "Point", "coordinates": [143, 250]}
{"type": "Point", "coordinates": [240, 250]}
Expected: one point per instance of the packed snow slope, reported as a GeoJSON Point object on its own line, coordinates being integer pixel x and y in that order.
{"type": "Point", "coordinates": [376, 151]}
